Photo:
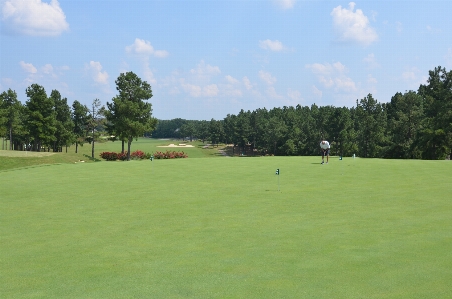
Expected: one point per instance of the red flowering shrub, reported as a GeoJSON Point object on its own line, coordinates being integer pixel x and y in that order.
{"type": "Point", "coordinates": [109, 156]}
{"type": "Point", "coordinates": [122, 156]}
{"type": "Point", "coordinates": [112, 156]}
{"type": "Point", "coordinates": [169, 155]}
{"type": "Point", "coordinates": [137, 155]}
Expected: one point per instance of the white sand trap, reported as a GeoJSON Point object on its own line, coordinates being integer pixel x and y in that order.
{"type": "Point", "coordinates": [176, 145]}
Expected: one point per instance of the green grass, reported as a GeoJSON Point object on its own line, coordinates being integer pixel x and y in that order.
{"type": "Point", "coordinates": [219, 228]}
{"type": "Point", "coordinates": [151, 146]}
{"type": "Point", "coordinates": [22, 159]}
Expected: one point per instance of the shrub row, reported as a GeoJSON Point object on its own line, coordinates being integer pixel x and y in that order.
{"type": "Point", "coordinates": [140, 155]}
{"type": "Point", "coordinates": [169, 155]}
{"type": "Point", "coordinates": [112, 156]}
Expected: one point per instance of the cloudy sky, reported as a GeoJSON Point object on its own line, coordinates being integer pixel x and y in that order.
{"type": "Point", "coordinates": [206, 59]}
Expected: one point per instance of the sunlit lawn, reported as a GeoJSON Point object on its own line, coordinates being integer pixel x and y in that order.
{"type": "Point", "coordinates": [219, 228]}
{"type": "Point", "coordinates": [9, 159]}
{"type": "Point", "coordinates": [150, 145]}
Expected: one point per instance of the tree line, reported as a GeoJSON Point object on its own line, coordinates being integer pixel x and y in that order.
{"type": "Point", "coordinates": [413, 125]}
{"type": "Point", "coordinates": [48, 123]}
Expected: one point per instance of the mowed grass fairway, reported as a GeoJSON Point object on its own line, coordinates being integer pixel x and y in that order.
{"type": "Point", "coordinates": [150, 145]}
{"type": "Point", "coordinates": [219, 228]}
{"type": "Point", "coordinates": [24, 159]}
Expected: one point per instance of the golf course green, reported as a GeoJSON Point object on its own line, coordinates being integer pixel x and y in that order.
{"type": "Point", "coordinates": [211, 226]}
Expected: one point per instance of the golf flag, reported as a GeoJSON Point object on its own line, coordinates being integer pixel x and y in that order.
{"type": "Point", "coordinates": [277, 171]}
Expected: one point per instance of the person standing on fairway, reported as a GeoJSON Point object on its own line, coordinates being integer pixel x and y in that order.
{"type": "Point", "coordinates": [325, 148]}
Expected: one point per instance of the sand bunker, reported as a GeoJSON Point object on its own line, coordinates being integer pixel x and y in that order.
{"type": "Point", "coordinates": [176, 145]}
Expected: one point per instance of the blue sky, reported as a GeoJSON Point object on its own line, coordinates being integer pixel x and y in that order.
{"type": "Point", "coordinates": [206, 59]}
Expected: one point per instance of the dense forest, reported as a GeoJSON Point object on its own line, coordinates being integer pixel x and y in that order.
{"type": "Point", "coordinates": [47, 122]}
{"type": "Point", "coordinates": [412, 125]}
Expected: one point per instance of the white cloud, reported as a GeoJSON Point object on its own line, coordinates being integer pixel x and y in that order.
{"type": "Point", "coordinates": [293, 98]}
{"type": "Point", "coordinates": [34, 17]}
{"type": "Point", "coordinates": [269, 80]}
{"type": "Point", "coordinates": [95, 70]}
{"type": "Point", "coordinates": [47, 69]}
{"type": "Point", "coordinates": [203, 70]}
{"type": "Point", "coordinates": [140, 46]}
{"type": "Point", "coordinates": [148, 74]}
{"type": "Point", "coordinates": [267, 77]}
{"type": "Point", "coordinates": [326, 69]}
{"type": "Point", "coordinates": [333, 76]}
{"type": "Point", "coordinates": [247, 83]}
{"type": "Point", "coordinates": [232, 88]}
{"type": "Point", "coordinates": [272, 45]}
{"type": "Point", "coordinates": [294, 94]}
{"type": "Point", "coordinates": [231, 80]}
{"type": "Point", "coordinates": [320, 69]}
{"type": "Point", "coordinates": [345, 83]}
{"type": "Point", "coordinates": [210, 90]}
{"type": "Point", "coordinates": [271, 92]}
{"type": "Point", "coordinates": [371, 84]}
{"type": "Point", "coordinates": [352, 26]}
{"type": "Point", "coordinates": [413, 77]}
{"type": "Point", "coordinates": [371, 79]}
{"type": "Point", "coordinates": [193, 90]}
{"type": "Point", "coordinates": [161, 53]}
{"type": "Point", "coordinates": [327, 82]}
{"type": "Point", "coordinates": [409, 75]}
{"type": "Point", "coordinates": [28, 67]}
{"type": "Point", "coordinates": [316, 92]}
{"type": "Point", "coordinates": [200, 82]}
{"type": "Point", "coordinates": [144, 48]}
{"type": "Point", "coordinates": [371, 61]}
{"type": "Point", "coordinates": [174, 90]}
{"type": "Point", "coordinates": [235, 93]}
{"type": "Point", "coordinates": [339, 67]}
{"type": "Point", "coordinates": [285, 4]}
{"type": "Point", "coordinates": [198, 91]}
{"type": "Point", "coordinates": [197, 82]}
{"type": "Point", "coordinates": [374, 15]}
